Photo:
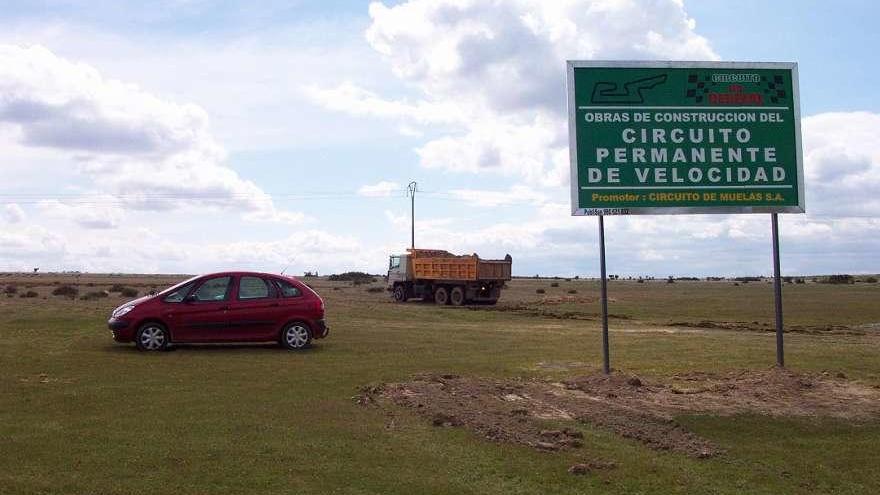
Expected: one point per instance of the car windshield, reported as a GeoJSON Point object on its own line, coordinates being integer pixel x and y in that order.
{"type": "Point", "coordinates": [175, 287]}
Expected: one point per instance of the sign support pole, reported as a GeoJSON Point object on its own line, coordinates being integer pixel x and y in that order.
{"type": "Point", "coordinates": [411, 189]}
{"type": "Point", "coordinates": [777, 291]}
{"type": "Point", "coordinates": [606, 363]}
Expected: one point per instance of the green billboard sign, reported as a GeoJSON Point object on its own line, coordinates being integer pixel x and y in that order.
{"type": "Point", "coordinates": [684, 137]}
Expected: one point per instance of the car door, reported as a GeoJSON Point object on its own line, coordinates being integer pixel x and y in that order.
{"type": "Point", "coordinates": [203, 314]}
{"type": "Point", "coordinates": [294, 304]}
{"type": "Point", "coordinates": [255, 310]}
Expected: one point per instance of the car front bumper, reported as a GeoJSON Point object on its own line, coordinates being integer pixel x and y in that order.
{"type": "Point", "coordinates": [321, 329]}
{"type": "Point", "coordinates": [121, 329]}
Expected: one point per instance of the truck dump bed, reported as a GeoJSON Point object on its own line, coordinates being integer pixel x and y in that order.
{"type": "Point", "coordinates": [442, 265]}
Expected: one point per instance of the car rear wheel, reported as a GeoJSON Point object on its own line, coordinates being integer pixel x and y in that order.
{"type": "Point", "coordinates": [151, 337]}
{"type": "Point", "coordinates": [296, 336]}
{"type": "Point", "coordinates": [456, 297]}
{"type": "Point", "coordinates": [441, 296]}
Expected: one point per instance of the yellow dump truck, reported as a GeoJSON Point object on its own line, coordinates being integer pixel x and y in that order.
{"type": "Point", "coordinates": [442, 277]}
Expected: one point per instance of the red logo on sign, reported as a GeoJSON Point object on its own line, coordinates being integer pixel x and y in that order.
{"type": "Point", "coordinates": [736, 95]}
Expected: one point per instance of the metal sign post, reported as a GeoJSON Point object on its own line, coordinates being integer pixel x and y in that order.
{"type": "Point", "coordinates": [672, 138]}
{"type": "Point", "coordinates": [606, 360]}
{"type": "Point", "coordinates": [777, 291]}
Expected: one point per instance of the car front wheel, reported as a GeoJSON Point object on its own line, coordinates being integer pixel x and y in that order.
{"type": "Point", "coordinates": [296, 336]}
{"type": "Point", "coordinates": [400, 293]}
{"type": "Point", "coordinates": [152, 337]}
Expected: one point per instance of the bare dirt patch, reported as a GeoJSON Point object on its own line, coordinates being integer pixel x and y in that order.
{"type": "Point", "coordinates": [547, 308]}
{"type": "Point", "coordinates": [519, 410]}
{"type": "Point", "coordinates": [755, 326]}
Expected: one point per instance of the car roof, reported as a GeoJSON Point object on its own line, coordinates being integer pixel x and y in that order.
{"type": "Point", "coordinates": [240, 273]}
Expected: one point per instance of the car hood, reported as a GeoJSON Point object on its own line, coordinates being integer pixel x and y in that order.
{"type": "Point", "coordinates": [134, 302]}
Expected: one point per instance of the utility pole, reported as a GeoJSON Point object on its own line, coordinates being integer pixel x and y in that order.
{"type": "Point", "coordinates": [411, 191]}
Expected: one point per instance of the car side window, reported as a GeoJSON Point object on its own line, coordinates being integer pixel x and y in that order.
{"type": "Point", "coordinates": [395, 262]}
{"type": "Point", "coordinates": [253, 288]}
{"type": "Point", "coordinates": [179, 294]}
{"type": "Point", "coordinates": [288, 289]}
{"type": "Point", "coordinates": [214, 289]}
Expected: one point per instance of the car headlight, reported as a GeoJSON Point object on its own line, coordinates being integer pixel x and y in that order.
{"type": "Point", "coordinates": [121, 311]}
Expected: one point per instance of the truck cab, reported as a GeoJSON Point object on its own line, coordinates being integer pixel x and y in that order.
{"type": "Point", "coordinates": [397, 269]}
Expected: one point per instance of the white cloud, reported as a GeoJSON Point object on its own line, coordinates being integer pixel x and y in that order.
{"type": "Point", "coordinates": [497, 71]}
{"type": "Point", "coordinates": [842, 163]}
{"type": "Point", "coordinates": [13, 213]}
{"type": "Point", "coordinates": [273, 215]}
{"type": "Point", "coordinates": [350, 98]}
{"type": "Point", "coordinates": [22, 248]}
{"type": "Point", "coordinates": [517, 194]}
{"type": "Point", "coordinates": [101, 212]}
{"type": "Point", "coordinates": [380, 189]}
{"type": "Point", "coordinates": [148, 152]}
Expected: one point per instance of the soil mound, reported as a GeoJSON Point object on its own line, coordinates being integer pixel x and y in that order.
{"type": "Point", "coordinates": [519, 410]}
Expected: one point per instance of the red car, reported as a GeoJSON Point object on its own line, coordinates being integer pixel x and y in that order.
{"type": "Point", "coordinates": [223, 307]}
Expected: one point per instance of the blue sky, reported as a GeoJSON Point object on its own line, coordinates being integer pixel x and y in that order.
{"type": "Point", "coordinates": [191, 136]}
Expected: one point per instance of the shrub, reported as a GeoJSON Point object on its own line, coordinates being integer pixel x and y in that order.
{"type": "Point", "coordinates": [98, 294]}
{"type": "Point", "coordinates": [670, 280]}
{"type": "Point", "coordinates": [572, 291]}
{"type": "Point", "coordinates": [839, 279]}
{"type": "Point", "coordinates": [641, 281]}
{"type": "Point", "coordinates": [66, 291]}
{"type": "Point", "coordinates": [28, 294]}
{"type": "Point", "coordinates": [10, 289]}
{"type": "Point", "coordinates": [554, 284]}
{"type": "Point", "coordinates": [128, 292]}
{"type": "Point", "coordinates": [871, 280]}
{"type": "Point", "coordinates": [800, 281]}
{"type": "Point", "coordinates": [118, 288]}
{"type": "Point", "coordinates": [356, 277]}
{"type": "Point", "coordinates": [540, 291]}
{"type": "Point", "coordinates": [375, 289]}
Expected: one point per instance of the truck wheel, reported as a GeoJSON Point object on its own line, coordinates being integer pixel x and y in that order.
{"type": "Point", "coordinates": [400, 293]}
{"type": "Point", "coordinates": [456, 297]}
{"type": "Point", "coordinates": [441, 296]}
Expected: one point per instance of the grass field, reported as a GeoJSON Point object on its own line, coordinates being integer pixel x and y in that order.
{"type": "Point", "coordinates": [82, 415]}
